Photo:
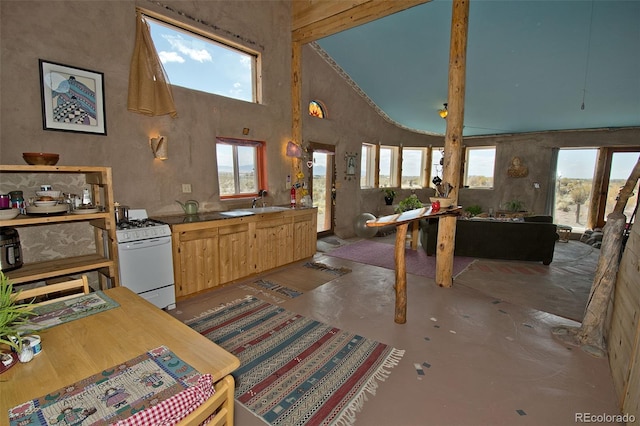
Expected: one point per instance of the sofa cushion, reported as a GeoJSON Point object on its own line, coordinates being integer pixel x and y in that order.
{"type": "Point", "coordinates": [495, 239]}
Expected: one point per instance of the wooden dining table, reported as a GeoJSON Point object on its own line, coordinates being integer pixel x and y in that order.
{"type": "Point", "coordinates": [402, 221]}
{"type": "Point", "coordinates": [83, 347]}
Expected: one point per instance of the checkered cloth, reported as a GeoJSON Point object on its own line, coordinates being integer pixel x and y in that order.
{"type": "Point", "coordinates": [170, 411]}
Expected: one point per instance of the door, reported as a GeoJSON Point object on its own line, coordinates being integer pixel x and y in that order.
{"type": "Point", "coordinates": [323, 186]}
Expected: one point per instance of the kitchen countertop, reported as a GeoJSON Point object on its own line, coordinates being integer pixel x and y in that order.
{"type": "Point", "coordinates": [209, 216]}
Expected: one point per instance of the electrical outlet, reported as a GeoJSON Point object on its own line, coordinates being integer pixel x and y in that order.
{"type": "Point", "coordinates": [536, 185]}
{"type": "Point", "coordinates": [186, 188]}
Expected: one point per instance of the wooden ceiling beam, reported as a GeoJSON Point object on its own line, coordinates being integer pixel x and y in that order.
{"type": "Point", "coordinates": [315, 19]}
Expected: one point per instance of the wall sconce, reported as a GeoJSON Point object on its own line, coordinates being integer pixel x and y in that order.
{"type": "Point", "coordinates": [444, 111]}
{"type": "Point", "coordinates": [159, 147]}
{"type": "Point", "coordinates": [293, 150]}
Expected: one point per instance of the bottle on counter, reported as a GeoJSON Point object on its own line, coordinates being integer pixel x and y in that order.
{"type": "Point", "coordinates": [293, 196]}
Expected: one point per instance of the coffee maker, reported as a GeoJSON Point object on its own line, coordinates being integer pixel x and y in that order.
{"type": "Point", "coordinates": [10, 249]}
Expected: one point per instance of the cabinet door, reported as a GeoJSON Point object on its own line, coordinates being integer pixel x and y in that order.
{"type": "Point", "coordinates": [195, 260]}
{"type": "Point", "coordinates": [304, 235]}
{"type": "Point", "coordinates": [234, 247]}
{"type": "Point", "coordinates": [273, 243]}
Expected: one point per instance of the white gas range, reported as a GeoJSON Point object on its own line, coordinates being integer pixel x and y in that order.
{"type": "Point", "coordinates": [145, 258]}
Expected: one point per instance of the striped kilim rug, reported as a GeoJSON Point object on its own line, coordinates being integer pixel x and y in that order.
{"type": "Point", "coordinates": [295, 370]}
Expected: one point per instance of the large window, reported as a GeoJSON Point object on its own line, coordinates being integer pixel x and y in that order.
{"type": "Point", "coordinates": [573, 186]}
{"type": "Point", "coordinates": [414, 167]}
{"type": "Point", "coordinates": [388, 167]}
{"type": "Point", "coordinates": [241, 167]}
{"type": "Point", "coordinates": [199, 62]}
{"type": "Point", "coordinates": [480, 165]}
{"type": "Point", "coordinates": [368, 166]}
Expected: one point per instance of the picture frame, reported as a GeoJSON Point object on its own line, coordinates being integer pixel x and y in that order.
{"type": "Point", "coordinates": [351, 160]}
{"type": "Point", "coordinates": [72, 99]}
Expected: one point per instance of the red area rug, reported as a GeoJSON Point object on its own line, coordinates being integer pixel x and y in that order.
{"type": "Point", "coordinates": [295, 370]}
{"type": "Point", "coordinates": [382, 254]}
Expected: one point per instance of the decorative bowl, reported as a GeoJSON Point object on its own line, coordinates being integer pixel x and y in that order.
{"type": "Point", "coordinates": [6, 214]}
{"type": "Point", "coordinates": [444, 202]}
{"type": "Point", "coordinates": [45, 203]}
{"type": "Point", "coordinates": [40, 158]}
{"type": "Point", "coordinates": [54, 194]}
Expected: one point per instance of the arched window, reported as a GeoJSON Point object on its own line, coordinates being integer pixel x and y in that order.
{"type": "Point", "coordinates": [317, 109]}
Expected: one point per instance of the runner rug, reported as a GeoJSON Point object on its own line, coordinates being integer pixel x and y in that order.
{"type": "Point", "coordinates": [155, 380]}
{"type": "Point", "coordinates": [295, 370]}
{"type": "Point", "coordinates": [382, 254]}
{"type": "Point", "coordinates": [56, 313]}
{"type": "Point", "coordinates": [284, 285]}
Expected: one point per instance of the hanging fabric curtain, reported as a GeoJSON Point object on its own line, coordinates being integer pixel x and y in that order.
{"type": "Point", "coordinates": [149, 88]}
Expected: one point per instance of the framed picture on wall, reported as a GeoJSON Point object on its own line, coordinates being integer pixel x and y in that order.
{"type": "Point", "coordinates": [72, 99]}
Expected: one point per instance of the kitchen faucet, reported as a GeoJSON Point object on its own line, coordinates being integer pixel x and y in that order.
{"type": "Point", "coordinates": [261, 193]}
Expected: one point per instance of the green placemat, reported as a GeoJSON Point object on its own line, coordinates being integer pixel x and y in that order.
{"type": "Point", "coordinates": [67, 310]}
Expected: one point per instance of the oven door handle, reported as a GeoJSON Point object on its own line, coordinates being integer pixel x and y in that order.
{"type": "Point", "coordinates": [154, 242]}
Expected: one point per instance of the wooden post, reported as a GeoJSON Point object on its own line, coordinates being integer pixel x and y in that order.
{"type": "Point", "coordinates": [598, 190]}
{"type": "Point", "coordinates": [401, 274]}
{"type": "Point", "coordinates": [296, 102]}
{"type": "Point", "coordinates": [453, 138]}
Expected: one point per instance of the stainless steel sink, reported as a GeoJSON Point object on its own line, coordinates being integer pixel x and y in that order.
{"type": "Point", "coordinates": [237, 213]}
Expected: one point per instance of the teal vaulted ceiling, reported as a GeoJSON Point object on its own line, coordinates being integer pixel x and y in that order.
{"type": "Point", "coordinates": [532, 65]}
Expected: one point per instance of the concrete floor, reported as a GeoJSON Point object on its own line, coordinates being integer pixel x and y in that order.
{"type": "Point", "coordinates": [486, 359]}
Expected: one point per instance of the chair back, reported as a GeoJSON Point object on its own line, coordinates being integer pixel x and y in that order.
{"type": "Point", "coordinates": [76, 287]}
{"type": "Point", "coordinates": [218, 409]}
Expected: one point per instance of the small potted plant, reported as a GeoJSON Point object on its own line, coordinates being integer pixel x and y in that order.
{"type": "Point", "coordinates": [389, 195]}
{"type": "Point", "coordinates": [410, 203]}
{"type": "Point", "coordinates": [13, 316]}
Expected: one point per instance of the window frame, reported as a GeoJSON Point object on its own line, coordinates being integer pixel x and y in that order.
{"type": "Point", "coordinates": [368, 166]}
{"type": "Point", "coordinates": [211, 37]}
{"type": "Point", "coordinates": [425, 167]}
{"type": "Point", "coordinates": [260, 165]}
{"type": "Point", "coordinates": [467, 166]}
{"type": "Point", "coordinates": [393, 164]}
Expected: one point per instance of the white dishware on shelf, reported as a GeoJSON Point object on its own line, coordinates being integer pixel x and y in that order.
{"type": "Point", "coordinates": [54, 194]}
{"type": "Point", "coordinates": [45, 203]}
{"type": "Point", "coordinates": [7, 214]}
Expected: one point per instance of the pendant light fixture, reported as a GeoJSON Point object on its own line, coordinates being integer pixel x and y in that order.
{"type": "Point", "coordinates": [444, 111]}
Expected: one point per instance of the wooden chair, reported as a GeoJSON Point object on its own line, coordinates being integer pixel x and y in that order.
{"type": "Point", "coordinates": [79, 286]}
{"type": "Point", "coordinates": [221, 403]}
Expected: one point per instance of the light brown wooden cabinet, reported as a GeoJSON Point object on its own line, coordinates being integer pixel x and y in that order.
{"type": "Point", "coordinates": [211, 253]}
{"type": "Point", "coordinates": [105, 258]}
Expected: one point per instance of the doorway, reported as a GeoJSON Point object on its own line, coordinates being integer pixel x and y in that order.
{"type": "Point", "coordinates": [323, 185]}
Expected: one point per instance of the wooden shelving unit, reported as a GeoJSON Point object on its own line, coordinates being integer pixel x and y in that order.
{"type": "Point", "coordinates": [104, 260]}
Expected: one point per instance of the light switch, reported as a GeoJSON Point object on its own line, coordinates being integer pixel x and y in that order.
{"type": "Point", "coordinates": [186, 188]}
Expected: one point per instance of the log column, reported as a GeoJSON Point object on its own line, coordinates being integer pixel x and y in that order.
{"type": "Point", "coordinates": [453, 137]}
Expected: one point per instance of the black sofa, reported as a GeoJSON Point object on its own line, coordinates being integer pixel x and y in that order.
{"type": "Point", "coordinates": [533, 239]}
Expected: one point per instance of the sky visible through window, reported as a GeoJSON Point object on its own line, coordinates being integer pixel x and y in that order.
{"type": "Point", "coordinates": [197, 63]}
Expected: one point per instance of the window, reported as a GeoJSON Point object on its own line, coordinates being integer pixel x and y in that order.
{"type": "Point", "coordinates": [480, 164]}
{"type": "Point", "coordinates": [368, 166]}
{"type": "Point", "coordinates": [198, 62]}
{"type": "Point", "coordinates": [414, 161]}
{"type": "Point", "coordinates": [574, 179]}
{"type": "Point", "coordinates": [317, 109]}
{"type": "Point", "coordinates": [241, 167]}
{"type": "Point", "coordinates": [388, 176]}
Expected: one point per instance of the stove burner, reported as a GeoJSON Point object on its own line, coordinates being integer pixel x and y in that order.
{"type": "Point", "coordinates": [139, 223]}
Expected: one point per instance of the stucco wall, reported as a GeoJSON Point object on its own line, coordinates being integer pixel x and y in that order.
{"type": "Point", "coordinates": [99, 35]}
